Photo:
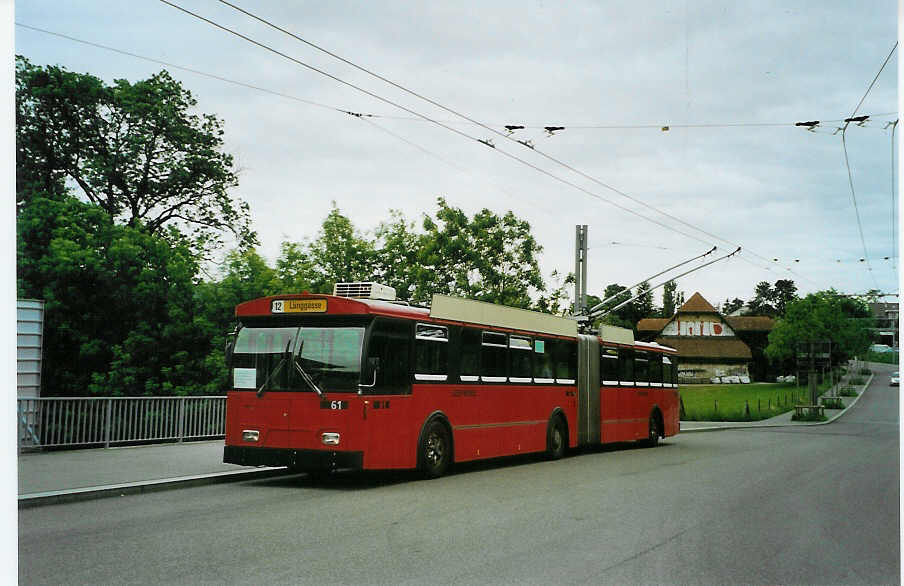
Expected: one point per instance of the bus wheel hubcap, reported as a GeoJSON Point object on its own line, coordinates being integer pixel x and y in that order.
{"type": "Point", "coordinates": [435, 449]}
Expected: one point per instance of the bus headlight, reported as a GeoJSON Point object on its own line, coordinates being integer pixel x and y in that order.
{"type": "Point", "coordinates": [329, 439]}
{"type": "Point", "coordinates": [250, 435]}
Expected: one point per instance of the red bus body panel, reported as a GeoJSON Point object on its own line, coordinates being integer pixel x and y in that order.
{"type": "Point", "coordinates": [487, 420]}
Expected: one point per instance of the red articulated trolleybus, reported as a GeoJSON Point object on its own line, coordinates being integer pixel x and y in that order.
{"type": "Point", "coordinates": [355, 380]}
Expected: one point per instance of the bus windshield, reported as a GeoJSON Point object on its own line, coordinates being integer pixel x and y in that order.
{"type": "Point", "coordinates": [273, 359]}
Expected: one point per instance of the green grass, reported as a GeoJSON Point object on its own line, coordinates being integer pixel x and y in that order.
{"type": "Point", "coordinates": [730, 402]}
{"type": "Point", "coordinates": [882, 357]}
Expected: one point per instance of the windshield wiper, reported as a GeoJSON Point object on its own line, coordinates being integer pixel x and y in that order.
{"type": "Point", "coordinates": [275, 371]}
{"type": "Point", "coordinates": [304, 375]}
{"type": "Point", "coordinates": [260, 390]}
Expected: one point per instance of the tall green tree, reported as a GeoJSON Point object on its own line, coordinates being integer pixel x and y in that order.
{"type": "Point", "coordinates": [120, 316]}
{"type": "Point", "coordinates": [820, 316]}
{"type": "Point", "coordinates": [339, 254]}
{"type": "Point", "coordinates": [732, 305]}
{"type": "Point", "coordinates": [783, 293]}
{"type": "Point", "coordinates": [136, 150]}
{"type": "Point", "coordinates": [485, 257]}
{"type": "Point", "coordinates": [772, 300]}
{"type": "Point", "coordinates": [557, 298]}
{"type": "Point", "coordinates": [762, 302]}
{"type": "Point", "coordinates": [669, 298]}
{"type": "Point", "coordinates": [294, 268]}
{"type": "Point", "coordinates": [643, 306]}
{"type": "Point", "coordinates": [622, 317]}
{"type": "Point", "coordinates": [397, 247]}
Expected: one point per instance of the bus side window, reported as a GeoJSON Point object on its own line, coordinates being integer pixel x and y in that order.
{"type": "Point", "coordinates": [544, 365]}
{"type": "Point", "coordinates": [431, 352]}
{"type": "Point", "coordinates": [566, 359]}
{"type": "Point", "coordinates": [673, 376]}
{"type": "Point", "coordinates": [493, 357]}
{"type": "Point", "coordinates": [520, 359]}
{"type": "Point", "coordinates": [388, 351]}
{"type": "Point", "coordinates": [469, 356]}
{"type": "Point", "coordinates": [641, 363]}
{"type": "Point", "coordinates": [626, 367]}
{"type": "Point", "coordinates": [608, 366]}
{"type": "Point", "coordinates": [655, 368]}
{"type": "Point", "coordinates": [667, 372]}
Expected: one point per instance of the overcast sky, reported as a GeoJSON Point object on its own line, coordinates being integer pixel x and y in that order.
{"type": "Point", "coordinates": [744, 71]}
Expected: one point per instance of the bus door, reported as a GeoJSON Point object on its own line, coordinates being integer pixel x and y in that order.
{"type": "Point", "coordinates": [389, 433]}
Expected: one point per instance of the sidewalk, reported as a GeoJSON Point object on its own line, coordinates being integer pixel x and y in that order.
{"type": "Point", "coordinates": [57, 476]}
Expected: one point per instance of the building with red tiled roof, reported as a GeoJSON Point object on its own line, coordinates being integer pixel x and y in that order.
{"type": "Point", "coordinates": [710, 346]}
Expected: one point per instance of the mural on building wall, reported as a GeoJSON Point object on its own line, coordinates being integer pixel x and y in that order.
{"type": "Point", "coordinates": [683, 327]}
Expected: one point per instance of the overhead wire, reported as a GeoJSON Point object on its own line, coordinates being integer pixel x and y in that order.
{"type": "Point", "coordinates": [570, 126]}
{"type": "Point", "coordinates": [366, 116]}
{"type": "Point", "coordinates": [434, 121]}
{"type": "Point", "coordinates": [486, 127]}
{"type": "Point", "coordinates": [445, 161]}
{"type": "Point", "coordinates": [189, 69]}
{"type": "Point", "coordinates": [847, 163]}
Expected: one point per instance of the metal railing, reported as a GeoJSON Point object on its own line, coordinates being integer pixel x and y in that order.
{"type": "Point", "coordinates": [62, 422]}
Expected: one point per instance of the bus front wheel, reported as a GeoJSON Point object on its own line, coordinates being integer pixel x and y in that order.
{"type": "Point", "coordinates": [435, 451]}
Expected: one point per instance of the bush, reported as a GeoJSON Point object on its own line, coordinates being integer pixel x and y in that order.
{"type": "Point", "coordinates": [865, 371]}
{"type": "Point", "coordinates": [847, 391]}
{"type": "Point", "coordinates": [856, 380]}
{"type": "Point", "coordinates": [833, 403]}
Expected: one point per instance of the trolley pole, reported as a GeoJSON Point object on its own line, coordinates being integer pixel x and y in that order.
{"type": "Point", "coordinates": [580, 269]}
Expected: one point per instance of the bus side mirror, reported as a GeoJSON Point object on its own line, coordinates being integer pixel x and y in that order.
{"type": "Point", "coordinates": [230, 347]}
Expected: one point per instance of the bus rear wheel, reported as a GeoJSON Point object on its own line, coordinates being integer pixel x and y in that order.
{"type": "Point", "coordinates": [555, 439]}
{"type": "Point", "coordinates": [653, 435]}
{"type": "Point", "coordinates": [435, 451]}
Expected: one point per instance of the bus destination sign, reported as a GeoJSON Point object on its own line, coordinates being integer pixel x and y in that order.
{"type": "Point", "coordinates": [298, 306]}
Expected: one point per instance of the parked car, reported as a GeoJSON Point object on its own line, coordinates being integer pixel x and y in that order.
{"type": "Point", "coordinates": [881, 348]}
{"type": "Point", "coordinates": [895, 379]}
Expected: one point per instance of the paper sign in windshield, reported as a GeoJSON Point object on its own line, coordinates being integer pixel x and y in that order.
{"type": "Point", "coordinates": [244, 378]}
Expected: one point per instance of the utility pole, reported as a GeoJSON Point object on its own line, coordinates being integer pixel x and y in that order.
{"type": "Point", "coordinates": [580, 269]}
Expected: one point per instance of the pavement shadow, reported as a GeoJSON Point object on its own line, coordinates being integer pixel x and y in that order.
{"type": "Point", "coordinates": [346, 480]}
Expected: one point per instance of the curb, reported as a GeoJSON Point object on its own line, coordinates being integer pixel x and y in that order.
{"type": "Point", "coordinates": [790, 424]}
{"type": "Point", "coordinates": [53, 497]}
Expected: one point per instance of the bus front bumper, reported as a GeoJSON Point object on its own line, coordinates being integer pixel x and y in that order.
{"type": "Point", "coordinates": [296, 459]}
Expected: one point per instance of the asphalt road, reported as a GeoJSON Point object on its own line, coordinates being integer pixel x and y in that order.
{"type": "Point", "coordinates": [780, 506]}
